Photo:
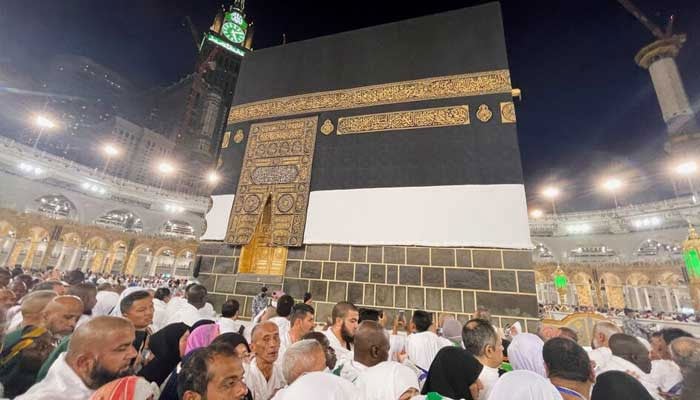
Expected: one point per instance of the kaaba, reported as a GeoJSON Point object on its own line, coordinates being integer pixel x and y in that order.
{"type": "Point", "coordinates": [379, 166]}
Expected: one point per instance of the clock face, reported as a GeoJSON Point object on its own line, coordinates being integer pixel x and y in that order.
{"type": "Point", "coordinates": [233, 32]}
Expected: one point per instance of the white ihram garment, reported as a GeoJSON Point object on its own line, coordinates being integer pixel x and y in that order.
{"type": "Point", "coordinates": [422, 347]}
{"type": "Point", "coordinates": [386, 380]}
{"type": "Point", "coordinates": [261, 388]}
{"type": "Point", "coordinates": [61, 382]}
{"type": "Point", "coordinates": [523, 385]}
{"type": "Point", "coordinates": [320, 385]}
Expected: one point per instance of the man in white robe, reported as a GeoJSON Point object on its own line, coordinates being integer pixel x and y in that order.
{"type": "Point", "coordinates": [481, 340]}
{"type": "Point", "coordinates": [664, 371]}
{"type": "Point", "coordinates": [187, 310]}
{"type": "Point", "coordinates": [107, 300]}
{"type": "Point", "coordinates": [102, 344]}
{"type": "Point", "coordinates": [340, 335]}
{"type": "Point", "coordinates": [161, 298]}
{"type": "Point", "coordinates": [371, 347]}
{"type": "Point", "coordinates": [302, 357]}
{"type": "Point", "coordinates": [422, 345]}
{"type": "Point", "coordinates": [283, 310]}
{"type": "Point", "coordinates": [628, 355]}
{"type": "Point", "coordinates": [388, 380]}
{"type": "Point", "coordinates": [301, 322]}
{"type": "Point", "coordinates": [264, 376]}
{"type": "Point", "coordinates": [600, 344]}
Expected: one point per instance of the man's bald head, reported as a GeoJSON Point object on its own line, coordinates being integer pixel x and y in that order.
{"type": "Point", "coordinates": [602, 331]}
{"type": "Point", "coordinates": [371, 343]}
{"type": "Point", "coordinates": [95, 334]}
{"type": "Point", "coordinates": [101, 350]}
{"type": "Point", "coordinates": [631, 349]}
{"type": "Point", "coordinates": [61, 314]}
{"type": "Point", "coordinates": [33, 304]}
{"type": "Point", "coordinates": [685, 351]}
{"type": "Point", "coordinates": [265, 342]}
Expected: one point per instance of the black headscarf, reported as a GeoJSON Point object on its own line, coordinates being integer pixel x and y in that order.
{"type": "Point", "coordinates": [200, 323]}
{"type": "Point", "coordinates": [452, 372]}
{"type": "Point", "coordinates": [232, 339]}
{"type": "Point", "coordinates": [164, 345]}
{"type": "Point", "coordinates": [618, 385]}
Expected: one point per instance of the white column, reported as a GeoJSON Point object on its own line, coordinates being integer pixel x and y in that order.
{"type": "Point", "coordinates": [675, 297]}
{"type": "Point", "coordinates": [88, 256]}
{"type": "Point", "coordinates": [10, 246]}
{"type": "Point", "coordinates": [646, 299]}
{"type": "Point", "coordinates": [60, 257]}
{"type": "Point", "coordinates": [73, 259]}
{"type": "Point", "coordinates": [636, 295]}
{"type": "Point", "coordinates": [668, 299]}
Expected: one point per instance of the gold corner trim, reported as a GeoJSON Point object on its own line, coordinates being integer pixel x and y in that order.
{"type": "Point", "coordinates": [401, 120]}
{"type": "Point", "coordinates": [508, 112]}
{"type": "Point", "coordinates": [464, 85]}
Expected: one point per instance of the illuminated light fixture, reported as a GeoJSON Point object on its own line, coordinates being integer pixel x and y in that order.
{"type": "Point", "coordinates": [550, 192]}
{"type": "Point", "coordinates": [173, 209]}
{"type": "Point", "coordinates": [110, 150]}
{"type": "Point", "coordinates": [227, 46]}
{"type": "Point", "coordinates": [30, 169]}
{"type": "Point", "coordinates": [93, 188]}
{"type": "Point", "coordinates": [213, 177]}
{"type": "Point", "coordinates": [536, 214]}
{"type": "Point", "coordinates": [686, 168]}
{"type": "Point", "coordinates": [44, 122]}
{"type": "Point", "coordinates": [649, 222]}
{"type": "Point", "coordinates": [578, 228]}
{"type": "Point", "coordinates": [612, 184]}
{"type": "Point", "coordinates": [166, 168]}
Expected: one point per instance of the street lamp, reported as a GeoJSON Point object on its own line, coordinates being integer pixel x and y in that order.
{"type": "Point", "coordinates": [42, 122]}
{"type": "Point", "coordinates": [536, 214]}
{"type": "Point", "coordinates": [213, 178]}
{"type": "Point", "coordinates": [110, 151]}
{"type": "Point", "coordinates": [551, 193]}
{"type": "Point", "coordinates": [166, 168]}
{"type": "Point", "coordinates": [688, 169]}
{"type": "Point", "coordinates": [612, 185]}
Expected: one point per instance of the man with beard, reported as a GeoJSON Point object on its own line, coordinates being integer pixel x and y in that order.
{"type": "Point", "coordinates": [100, 351]}
{"type": "Point", "coordinates": [345, 320]}
{"type": "Point", "coordinates": [87, 292]}
{"type": "Point", "coordinates": [264, 376]}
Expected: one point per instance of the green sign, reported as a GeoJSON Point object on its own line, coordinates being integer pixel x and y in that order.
{"type": "Point", "coordinates": [560, 281]}
{"type": "Point", "coordinates": [226, 45]}
{"type": "Point", "coordinates": [692, 262]}
{"type": "Point", "coordinates": [234, 27]}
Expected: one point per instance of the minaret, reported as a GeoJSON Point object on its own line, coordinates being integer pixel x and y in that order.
{"type": "Point", "coordinates": [659, 58]}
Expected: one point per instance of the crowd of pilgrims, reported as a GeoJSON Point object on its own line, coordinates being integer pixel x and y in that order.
{"type": "Point", "coordinates": [68, 337]}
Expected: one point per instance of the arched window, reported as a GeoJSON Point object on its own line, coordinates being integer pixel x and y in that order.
{"type": "Point", "coordinates": [124, 220]}
{"type": "Point", "coordinates": [56, 206]}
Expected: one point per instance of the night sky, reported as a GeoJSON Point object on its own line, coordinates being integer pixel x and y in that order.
{"type": "Point", "coordinates": [587, 109]}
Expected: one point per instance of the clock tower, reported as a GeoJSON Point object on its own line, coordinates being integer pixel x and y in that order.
{"type": "Point", "coordinates": [221, 51]}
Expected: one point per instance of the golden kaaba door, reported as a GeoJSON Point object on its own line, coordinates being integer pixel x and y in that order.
{"type": "Point", "coordinates": [260, 256]}
{"type": "Point", "coordinates": [276, 176]}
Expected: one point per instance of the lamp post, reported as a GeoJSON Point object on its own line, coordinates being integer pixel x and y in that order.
{"type": "Point", "coordinates": [688, 169]}
{"type": "Point", "coordinates": [691, 257]}
{"type": "Point", "coordinates": [42, 122]}
{"type": "Point", "coordinates": [612, 185]}
{"type": "Point", "coordinates": [165, 169]}
{"type": "Point", "coordinates": [213, 178]}
{"type": "Point", "coordinates": [536, 214]}
{"type": "Point", "coordinates": [561, 283]}
{"type": "Point", "coordinates": [551, 193]}
{"type": "Point", "coordinates": [110, 151]}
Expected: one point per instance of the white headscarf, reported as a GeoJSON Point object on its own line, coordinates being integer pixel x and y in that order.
{"type": "Point", "coordinates": [387, 380]}
{"type": "Point", "coordinates": [321, 385]}
{"type": "Point", "coordinates": [523, 385]}
{"type": "Point", "coordinates": [106, 301]}
{"type": "Point", "coordinates": [117, 310]}
{"type": "Point", "coordinates": [525, 352]}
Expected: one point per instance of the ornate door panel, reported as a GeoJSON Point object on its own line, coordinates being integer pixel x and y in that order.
{"type": "Point", "coordinates": [277, 165]}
